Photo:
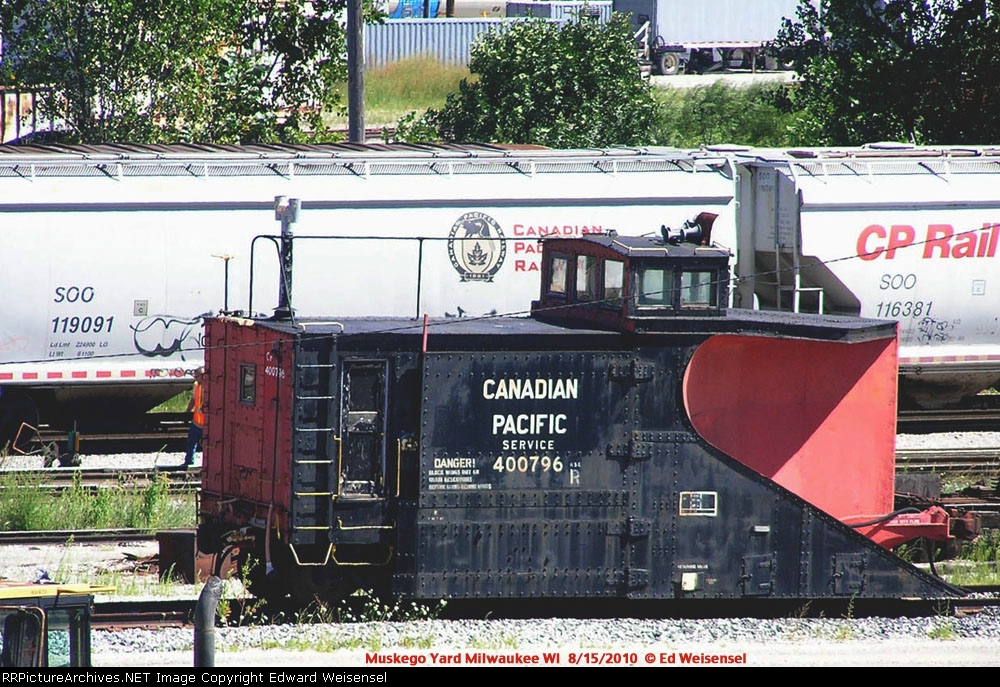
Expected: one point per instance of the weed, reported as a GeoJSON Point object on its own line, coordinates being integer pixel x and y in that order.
{"type": "Point", "coordinates": [425, 642]}
{"type": "Point", "coordinates": [322, 643]}
{"type": "Point", "coordinates": [126, 583]}
{"type": "Point", "coordinates": [849, 613]}
{"type": "Point", "coordinates": [978, 562]}
{"type": "Point", "coordinates": [242, 606]}
{"type": "Point", "coordinates": [800, 624]}
{"type": "Point", "coordinates": [984, 548]}
{"type": "Point", "coordinates": [942, 629]}
{"type": "Point", "coordinates": [29, 505]}
{"type": "Point", "coordinates": [175, 404]}
{"type": "Point", "coordinates": [316, 612]}
{"type": "Point", "coordinates": [964, 573]}
{"type": "Point", "coordinates": [908, 552]}
{"type": "Point", "coordinates": [367, 607]}
{"type": "Point", "coordinates": [844, 632]}
{"type": "Point", "coordinates": [501, 642]}
{"type": "Point", "coordinates": [803, 610]}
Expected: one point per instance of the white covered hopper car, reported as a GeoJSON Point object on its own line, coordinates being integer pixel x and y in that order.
{"type": "Point", "coordinates": [894, 232]}
{"type": "Point", "coordinates": [113, 254]}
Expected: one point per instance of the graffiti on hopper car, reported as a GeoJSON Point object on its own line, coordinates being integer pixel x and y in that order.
{"type": "Point", "coordinates": [11, 342]}
{"type": "Point", "coordinates": [170, 372]}
{"type": "Point", "coordinates": [166, 335]}
{"type": "Point", "coordinates": [934, 330]}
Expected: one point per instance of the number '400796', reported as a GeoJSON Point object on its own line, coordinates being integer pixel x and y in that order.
{"type": "Point", "coordinates": [528, 464]}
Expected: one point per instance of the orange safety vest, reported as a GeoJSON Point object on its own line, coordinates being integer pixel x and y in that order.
{"type": "Point", "coordinates": [198, 415]}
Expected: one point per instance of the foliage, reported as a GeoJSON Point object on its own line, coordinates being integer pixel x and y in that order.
{"type": "Point", "coordinates": [983, 549]}
{"type": "Point", "coordinates": [367, 607]}
{"type": "Point", "coordinates": [27, 505]}
{"type": "Point", "coordinates": [111, 65]}
{"type": "Point", "coordinates": [536, 82]}
{"type": "Point", "coordinates": [921, 71]}
{"type": "Point", "coordinates": [213, 71]}
{"type": "Point", "coordinates": [174, 404]}
{"type": "Point", "coordinates": [760, 115]}
{"type": "Point", "coordinates": [244, 606]}
{"type": "Point", "coordinates": [943, 630]}
{"type": "Point", "coordinates": [501, 642]}
{"type": "Point", "coordinates": [129, 583]}
{"type": "Point", "coordinates": [276, 84]}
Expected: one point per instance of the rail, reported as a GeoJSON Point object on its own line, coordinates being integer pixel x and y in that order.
{"type": "Point", "coordinates": [955, 461]}
{"type": "Point", "coordinates": [60, 479]}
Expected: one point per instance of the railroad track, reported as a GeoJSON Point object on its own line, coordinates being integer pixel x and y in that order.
{"type": "Point", "coordinates": [970, 462]}
{"type": "Point", "coordinates": [159, 432]}
{"type": "Point", "coordinates": [57, 479]}
{"type": "Point", "coordinates": [148, 615]}
{"type": "Point", "coordinates": [110, 536]}
{"type": "Point", "coordinates": [982, 416]}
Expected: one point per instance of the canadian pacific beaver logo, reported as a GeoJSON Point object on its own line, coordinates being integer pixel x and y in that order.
{"type": "Point", "coordinates": [476, 247]}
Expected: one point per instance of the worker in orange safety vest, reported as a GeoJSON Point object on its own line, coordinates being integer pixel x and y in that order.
{"type": "Point", "coordinates": [197, 410]}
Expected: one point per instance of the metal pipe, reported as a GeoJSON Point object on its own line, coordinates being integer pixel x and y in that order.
{"type": "Point", "coordinates": [204, 623]}
{"type": "Point", "coordinates": [225, 299]}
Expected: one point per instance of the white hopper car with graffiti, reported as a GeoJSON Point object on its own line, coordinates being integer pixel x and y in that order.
{"type": "Point", "coordinates": [112, 254]}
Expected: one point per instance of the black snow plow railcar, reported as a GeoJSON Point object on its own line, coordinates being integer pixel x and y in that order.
{"type": "Point", "coordinates": [633, 438]}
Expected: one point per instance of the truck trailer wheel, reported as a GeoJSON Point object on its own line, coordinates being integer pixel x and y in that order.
{"type": "Point", "coordinates": [668, 63]}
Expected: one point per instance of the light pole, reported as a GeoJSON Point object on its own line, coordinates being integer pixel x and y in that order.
{"type": "Point", "coordinates": [355, 72]}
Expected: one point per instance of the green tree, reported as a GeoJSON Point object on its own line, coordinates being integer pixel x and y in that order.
{"type": "Point", "coordinates": [759, 115]}
{"type": "Point", "coordinates": [277, 81]}
{"type": "Point", "coordinates": [921, 71]}
{"type": "Point", "coordinates": [106, 67]}
{"type": "Point", "coordinates": [234, 71]}
{"type": "Point", "coordinates": [536, 82]}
